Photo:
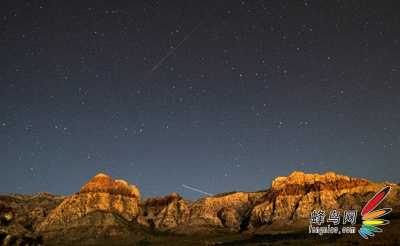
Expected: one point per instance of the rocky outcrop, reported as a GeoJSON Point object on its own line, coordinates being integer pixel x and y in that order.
{"type": "Point", "coordinates": [173, 213]}
{"type": "Point", "coordinates": [225, 210]}
{"type": "Point", "coordinates": [20, 215]}
{"type": "Point", "coordinates": [102, 183]}
{"type": "Point", "coordinates": [288, 203]}
{"type": "Point", "coordinates": [111, 210]}
{"type": "Point", "coordinates": [101, 193]}
{"type": "Point", "coordinates": [290, 200]}
{"type": "Point", "coordinates": [94, 228]}
{"type": "Point", "coordinates": [164, 213]}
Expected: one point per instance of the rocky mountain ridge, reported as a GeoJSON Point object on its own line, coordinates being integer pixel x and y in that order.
{"type": "Point", "coordinates": [101, 193]}
{"type": "Point", "coordinates": [111, 208]}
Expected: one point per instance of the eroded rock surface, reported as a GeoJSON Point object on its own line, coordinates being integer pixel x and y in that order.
{"type": "Point", "coordinates": [20, 215]}
{"type": "Point", "coordinates": [101, 193]}
{"type": "Point", "coordinates": [225, 210]}
{"type": "Point", "coordinates": [110, 209]}
{"type": "Point", "coordinates": [291, 199]}
{"type": "Point", "coordinates": [165, 213]}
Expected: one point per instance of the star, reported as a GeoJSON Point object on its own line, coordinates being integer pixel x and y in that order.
{"type": "Point", "coordinates": [281, 124]}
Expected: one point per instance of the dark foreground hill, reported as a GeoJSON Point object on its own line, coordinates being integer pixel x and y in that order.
{"type": "Point", "coordinates": [111, 212]}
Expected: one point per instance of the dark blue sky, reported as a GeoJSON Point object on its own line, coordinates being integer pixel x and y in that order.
{"type": "Point", "coordinates": [219, 96]}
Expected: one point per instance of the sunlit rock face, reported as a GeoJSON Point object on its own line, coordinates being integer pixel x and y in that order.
{"type": "Point", "coordinates": [173, 213]}
{"type": "Point", "coordinates": [108, 209]}
{"type": "Point", "coordinates": [102, 183]}
{"type": "Point", "coordinates": [225, 210]}
{"type": "Point", "coordinates": [101, 193]}
{"type": "Point", "coordinates": [291, 199]}
{"type": "Point", "coordinates": [288, 202]}
{"type": "Point", "coordinates": [164, 213]}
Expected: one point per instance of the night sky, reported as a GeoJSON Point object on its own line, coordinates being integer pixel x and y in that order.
{"type": "Point", "coordinates": [217, 95]}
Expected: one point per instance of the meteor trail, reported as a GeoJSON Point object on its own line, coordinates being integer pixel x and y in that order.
{"type": "Point", "coordinates": [172, 50]}
{"type": "Point", "coordinates": [197, 190]}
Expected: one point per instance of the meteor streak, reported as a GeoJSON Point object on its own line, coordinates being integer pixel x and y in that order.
{"type": "Point", "coordinates": [197, 190]}
{"type": "Point", "coordinates": [172, 50]}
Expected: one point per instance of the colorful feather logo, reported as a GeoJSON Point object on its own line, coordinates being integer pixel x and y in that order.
{"type": "Point", "coordinates": [371, 218]}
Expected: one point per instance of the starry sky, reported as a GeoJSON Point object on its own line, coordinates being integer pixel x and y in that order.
{"type": "Point", "coordinates": [216, 95]}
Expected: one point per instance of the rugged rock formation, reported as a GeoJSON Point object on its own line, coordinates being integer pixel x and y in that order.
{"type": "Point", "coordinates": [287, 203]}
{"type": "Point", "coordinates": [173, 213]}
{"type": "Point", "coordinates": [164, 213]}
{"type": "Point", "coordinates": [110, 210]}
{"type": "Point", "coordinates": [95, 227]}
{"type": "Point", "coordinates": [20, 215]}
{"type": "Point", "coordinates": [102, 183]}
{"type": "Point", "coordinates": [101, 193]}
{"type": "Point", "coordinates": [291, 199]}
{"type": "Point", "coordinates": [224, 210]}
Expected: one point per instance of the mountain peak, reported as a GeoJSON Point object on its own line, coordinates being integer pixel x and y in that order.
{"type": "Point", "coordinates": [105, 205]}
{"type": "Point", "coordinates": [104, 183]}
{"type": "Point", "coordinates": [101, 175]}
{"type": "Point", "coordinates": [303, 179]}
